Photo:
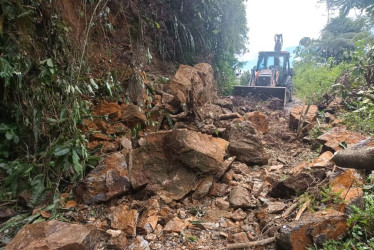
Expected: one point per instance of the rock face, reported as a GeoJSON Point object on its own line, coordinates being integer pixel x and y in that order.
{"type": "Point", "coordinates": [245, 144]}
{"type": "Point", "coordinates": [312, 229]}
{"type": "Point", "coordinates": [196, 150]}
{"type": "Point", "coordinates": [55, 235]}
{"type": "Point", "coordinates": [259, 121]}
{"type": "Point", "coordinates": [297, 112]}
{"type": "Point", "coordinates": [337, 135]}
{"type": "Point", "coordinates": [106, 181]}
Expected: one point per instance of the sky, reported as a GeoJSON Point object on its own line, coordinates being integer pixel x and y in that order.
{"type": "Point", "coordinates": [295, 19]}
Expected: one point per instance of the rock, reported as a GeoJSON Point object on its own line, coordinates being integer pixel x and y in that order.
{"type": "Point", "coordinates": [257, 186]}
{"type": "Point", "coordinates": [322, 161]}
{"type": "Point", "coordinates": [108, 180]}
{"type": "Point", "coordinates": [241, 198]}
{"type": "Point", "coordinates": [126, 143]}
{"type": "Point", "coordinates": [167, 98]}
{"type": "Point", "coordinates": [224, 103]}
{"type": "Point", "coordinates": [151, 168]}
{"type": "Point", "coordinates": [209, 85]}
{"type": "Point", "coordinates": [240, 168]}
{"type": "Point", "coordinates": [100, 137]}
{"type": "Point", "coordinates": [222, 204]}
{"type": "Point", "coordinates": [219, 189]}
{"type": "Point", "coordinates": [275, 207]}
{"type": "Point", "coordinates": [238, 238]}
{"type": "Point", "coordinates": [203, 188]}
{"type": "Point", "coordinates": [175, 225]}
{"type": "Point", "coordinates": [117, 239]}
{"type": "Point", "coordinates": [149, 218]}
{"type": "Point", "coordinates": [132, 116]}
{"type": "Point", "coordinates": [238, 215]}
{"type": "Point", "coordinates": [337, 135]}
{"type": "Point", "coordinates": [94, 125]}
{"type": "Point", "coordinates": [312, 228]}
{"type": "Point", "coordinates": [110, 109]}
{"type": "Point", "coordinates": [125, 219]}
{"type": "Point", "coordinates": [117, 128]}
{"type": "Point", "coordinates": [297, 112]}
{"type": "Point", "coordinates": [105, 146]}
{"type": "Point", "coordinates": [245, 144]}
{"type": "Point", "coordinates": [259, 121]}
{"type": "Point", "coordinates": [229, 116]}
{"type": "Point", "coordinates": [335, 105]}
{"type": "Point", "coordinates": [348, 183]}
{"type": "Point", "coordinates": [139, 244]}
{"type": "Point", "coordinates": [196, 150]}
{"type": "Point", "coordinates": [297, 184]}
{"type": "Point", "coordinates": [55, 234]}
{"type": "Point", "coordinates": [210, 111]}
{"type": "Point", "coordinates": [329, 118]}
{"type": "Point", "coordinates": [225, 166]}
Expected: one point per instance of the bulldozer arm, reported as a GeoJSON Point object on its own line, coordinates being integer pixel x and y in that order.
{"type": "Point", "coordinates": [262, 93]}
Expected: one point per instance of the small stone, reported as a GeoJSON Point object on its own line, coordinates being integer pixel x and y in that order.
{"type": "Point", "coordinates": [222, 204]}
{"type": "Point", "coordinates": [175, 225]}
{"type": "Point", "coordinates": [125, 219]}
{"type": "Point", "coordinates": [238, 238]}
{"type": "Point", "coordinates": [219, 189]}
{"type": "Point", "coordinates": [275, 207]}
{"type": "Point", "coordinates": [203, 188]}
{"type": "Point", "coordinates": [240, 198]}
{"type": "Point", "coordinates": [239, 215]}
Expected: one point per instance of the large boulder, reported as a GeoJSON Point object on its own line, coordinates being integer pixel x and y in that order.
{"type": "Point", "coordinates": [194, 86]}
{"type": "Point", "coordinates": [151, 168]}
{"type": "Point", "coordinates": [245, 143]}
{"type": "Point", "coordinates": [55, 235]}
{"type": "Point", "coordinates": [312, 229]}
{"type": "Point", "coordinates": [332, 139]}
{"type": "Point", "coordinates": [259, 121]}
{"type": "Point", "coordinates": [106, 181]}
{"type": "Point", "coordinates": [195, 150]}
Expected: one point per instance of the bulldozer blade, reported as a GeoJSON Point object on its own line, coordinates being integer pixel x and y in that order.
{"type": "Point", "coordinates": [261, 93]}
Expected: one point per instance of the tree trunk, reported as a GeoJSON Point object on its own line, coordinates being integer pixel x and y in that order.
{"type": "Point", "coordinates": [361, 158]}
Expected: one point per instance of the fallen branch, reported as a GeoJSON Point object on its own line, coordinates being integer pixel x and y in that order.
{"type": "Point", "coordinates": [251, 244]}
{"type": "Point", "coordinates": [360, 158]}
{"type": "Point", "coordinates": [290, 209]}
{"type": "Point", "coordinates": [302, 209]}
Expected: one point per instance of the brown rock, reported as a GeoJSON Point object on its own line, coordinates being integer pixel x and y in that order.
{"type": "Point", "coordinates": [222, 204]}
{"type": "Point", "coordinates": [94, 125]}
{"type": "Point", "coordinates": [337, 135]}
{"type": "Point", "coordinates": [132, 116]}
{"type": "Point", "coordinates": [224, 103]}
{"type": "Point", "coordinates": [108, 180]}
{"type": "Point", "coordinates": [259, 121]}
{"type": "Point", "coordinates": [148, 220]}
{"type": "Point", "coordinates": [297, 184]}
{"type": "Point", "coordinates": [100, 137]}
{"type": "Point", "coordinates": [167, 98]}
{"type": "Point", "coordinates": [335, 105]}
{"type": "Point", "coordinates": [329, 118]}
{"type": "Point", "coordinates": [209, 85]}
{"type": "Point", "coordinates": [117, 239]}
{"type": "Point", "coordinates": [203, 188]}
{"type": "Point", "coordinates": [238, 238]}
{"type": "Point", "coordinates": [55, 235]}
{"type": "Point", "coordinates": [348, 183]}
{"type": "Point", "coordinates": [210, 111]}
{"type": "Point", "coordinates": [311, 229]}
{"type": "Point", "coordinates": [275, 207]}
{"type": "Point", "coordinates": [238, 215]}
{"type": "Point", "coordinates": [175, 225]}
{"type": "Point", "coordinates": [110, 109]}
{"type": "Point", "coordinates": [105, 146]}
{"type": "Point", "coordinates": [297, 112]}
{"type": "Point", "coordinates": [158, 173]}
{"type": "Point", "coordinates": [322, 161]}
{"type": "Point", "coordinates": [245, 144]}
{"type": "Point", "coordinates": [125, 219]}
{"type": "Point", "coordinates": [241, 198]}
{"type": "Point", "coordinates": [240, 168]}
{"type": "Point", "coordinates": [117, 128]}
{"type": "Point", "coordinates": [196, 150]}
{"type": "Point", "coordinates": [219, 189]}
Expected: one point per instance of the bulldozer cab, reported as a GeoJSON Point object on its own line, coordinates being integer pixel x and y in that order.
{"type": "Point", "coordinates": [279, 61]}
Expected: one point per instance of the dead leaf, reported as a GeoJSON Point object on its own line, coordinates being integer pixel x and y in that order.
{"type": "Point", "coordinates": [71, 203]}
{"type": "Point", "coordinates": [45, 214]}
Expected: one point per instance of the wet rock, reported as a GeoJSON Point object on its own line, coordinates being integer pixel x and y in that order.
{"type": "Point", "coordinates": [297, 184]}
{"type": "Point", "coordinates": [196, 150]}
{"type": "Point", "coordinates": [55, 235]}
{"type": "Point", "coordinates": [297, 112]}
{"type": "Point", "coordinates": [203, 188]}
{"type": "Point", "coordinates": [110, 109]}
{"type": "Point", "coordinates": [175, 225]}
{"type": "Point", "coordinates": [348, 183]}
{"type": "Point", "coordinates": [132, 115]}
{"type": "Point", "coordinates": [259, 121]}
{"type": "Point", "coordinates": [311, 229]}
{"type": "Point", "coordinates": [245, 144]}
{"type": "Point", "coordinates": [241, 198]}
{"type": "Point", "coordinates": [125, 219]}
{"type": "Point", "coordinates": [151, 168]}
{"type": "Point", "coordinates": [337, 135]}
{"type": "Point", "coordinates": [238, 215]}
{"type": "Point", "coordinates": [106, 181]}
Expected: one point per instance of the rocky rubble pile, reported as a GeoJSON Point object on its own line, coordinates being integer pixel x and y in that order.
{"type": "Point", "coordinates": [219, 177]}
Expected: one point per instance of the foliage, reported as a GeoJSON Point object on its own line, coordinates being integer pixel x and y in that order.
{"type": "Point", "coordinates": [245, 78]}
